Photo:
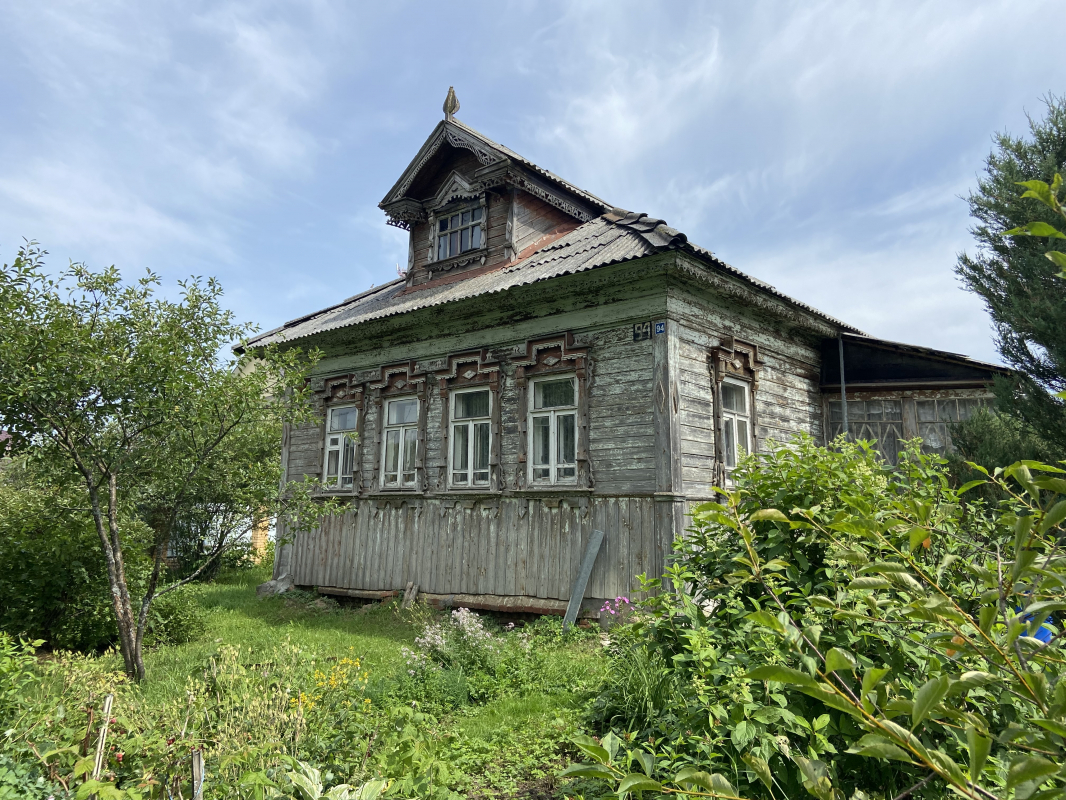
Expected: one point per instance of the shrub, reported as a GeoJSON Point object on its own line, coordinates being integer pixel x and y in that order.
{"type": "Point", "coordinates": [847, 629]}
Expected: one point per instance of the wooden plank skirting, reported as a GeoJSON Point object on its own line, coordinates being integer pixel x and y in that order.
{"type": "Point", "coordinates": [514, 554]}
{"type": "Point", "coordinates": [477, 602]}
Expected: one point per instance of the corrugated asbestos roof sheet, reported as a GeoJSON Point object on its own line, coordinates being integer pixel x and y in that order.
{"type": "Point", "coordinates": [610, 239]}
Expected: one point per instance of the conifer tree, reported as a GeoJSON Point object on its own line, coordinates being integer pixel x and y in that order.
{"type": "Point", "coordinates": [1019, 284]}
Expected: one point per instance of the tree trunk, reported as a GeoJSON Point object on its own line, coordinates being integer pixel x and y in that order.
{"type": "Point", "coordinates": [108, 531]}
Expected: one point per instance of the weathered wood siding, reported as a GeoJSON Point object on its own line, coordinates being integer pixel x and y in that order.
{"type": "Point", "coordinates": [787, 401]}
{"type": "Point", "coordinates": [534, 220]}
{"type": "Point", "coordinates": [513, 546]}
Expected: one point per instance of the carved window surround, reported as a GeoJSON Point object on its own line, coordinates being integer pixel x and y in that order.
{"type": "Point", "coordinates": [341, 390]}
{"type": "Point", "coordinates": [468, 370]}
{"type": "Point", "coordinates": [399, 380]}
{"type": "Point", "coordinates": [549, 356]}
{"type": "Point", "coordinates": [739, 361]}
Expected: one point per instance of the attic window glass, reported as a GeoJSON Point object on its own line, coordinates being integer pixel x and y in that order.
{"type": "Point", "coordinates": [553, 430]}
{"type": "Point", "coordinates": [736, 422]}
{"type": "Point", "coordinates": [459, 233]}
{"type": "Point", "coordinates": [340, 447]}
{"type": "Point", "coordinates": [401, 444]}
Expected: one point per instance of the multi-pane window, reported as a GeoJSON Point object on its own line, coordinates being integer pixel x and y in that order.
{"type": "Point", "coordinates": [471, 437]}
{"type": "Point", "coordinates": [340, 447]}
{"type": "Point", "coordinates": [459, 232]}
{"type": "Point", "coordinates": [553, 431]}
{"type": "Point", "coordinates": [736, 422]}
{"type": "Point", "coordinates": [400, 437]}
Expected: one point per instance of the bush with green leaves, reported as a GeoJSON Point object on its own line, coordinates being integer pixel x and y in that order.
{"type": "Point", "coordinates": [845, 629]}
{"type": "Point", "coordinates": [62, 596]}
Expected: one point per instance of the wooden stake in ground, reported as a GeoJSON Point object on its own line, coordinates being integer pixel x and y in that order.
{"type": "Point", "coordinates": [101, 742]}
{"type": "Point", "coordinates": [197, 775]}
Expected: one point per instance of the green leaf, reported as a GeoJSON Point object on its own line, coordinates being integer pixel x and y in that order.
{"type": "Point", "coordinates": [1055, 726]}
{"type": "Point", "coordinates": [868, 583]}
{"type": "Point", "coordinates": [839, 659]}
{"type": "Point", "coordinates": [589, 771]}
{"type": "Point", "coordinates": [767, 620]}
{"type": "Point", "coordinates": [873, 676]}
{"type": "Point", "coordinates": [635, 782]}
{"type": "Point", "coordinates": [781, 674]}
{"type": "Point", "coordinates": [1053, 517]}
{"type": "Point", "coordinates": [647, 762]}
{"type": "Point", "coordinates": [927, 698]}
{"type": "Point", "coordinates": [760, 768]}
{"type": "Point", "coordinates": [1036, 229]}
{"type": "Point", "coordinates": [591, 749]}
{"type": "Point", "coordinates": [693, 776]}
{"type": "Point", "coordinates": [1029, 769]}
{"type": "Point", "coordinates": [970, 485]}
{"type": "Point", "coordinates": [1056, 258]}
{"type": "Point", "coordinates": [873, 746]}
{"type": "Point", "coordinates": [987, 617]}
{"type": "Point", "coordinates": [979, 747]}
{"type": "Point", "coordinates": [771, 514]}
{"type": "Point", "coordinates": [815, 778]}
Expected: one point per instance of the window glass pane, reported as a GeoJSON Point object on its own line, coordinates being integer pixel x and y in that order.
{"type": "Point", "coordinates": [442, 247]}
{"type": "Point", "coordinates": [460, 447]}
{"type": "Point", "coordinates": [481, 446]}
{"type": "Point", "coordinates": [334, 441]}
{"type": "Point", "coordinates": [734, 398]}
{"type": "Point", "coordinates": [565, 423]}
{"type": "Point", "coordinates": [342, 419]}
{"type": "Point", "coordinates": [331, 463]}
{"type": "Point", "coordinates": [472, 404]}
{"type": "Point", "coordinates": [453, 242]}
{"type": "Point", "coordinates": [567, 472]}
{"type": "Point", "coordinates": [464, 244]}
{"type": "Point", "coordinates": [835, 414]}
{"type": "Point", "coordinates": [348, 462]}
{"type": "Point", "coordinates": [541, 440]}
{"type": "Point", "coordinates": [466, 218]}
{"type": "Point", "coordinates": [402, 412]}
{"type": "Point", "coordinates": [475, 237]}
{"type": "Point", "coordinates": [455, 221]}
{"type": "Point", "coordinates": [444, 224]}
{"type": "Point", "coordinates": [476, 214]}
{"type": "Point", "coordinates": [552, 394]}
{"type": "Point", "coordinates": [742, 438]}
{"type": "Point", "coordinates": [541, 473]}
{"type": "Point", "coordinates": [392, 450]}
{"type": "Point", "coordinates": [729, 442]}
{"type": "Point", "coordinates": [410, 446]}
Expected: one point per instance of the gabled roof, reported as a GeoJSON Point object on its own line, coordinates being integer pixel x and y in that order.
{"type": "Point", "coordinates": [490, 154]}
{"type": "Point", "coordinates": [612, 238]}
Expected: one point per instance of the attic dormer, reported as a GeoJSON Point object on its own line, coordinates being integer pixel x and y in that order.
{"type": "Point", "coordinates": [471, 204]}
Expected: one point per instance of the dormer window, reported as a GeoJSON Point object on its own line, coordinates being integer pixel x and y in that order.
{"type": "Point", "coordinates": [459, 233]}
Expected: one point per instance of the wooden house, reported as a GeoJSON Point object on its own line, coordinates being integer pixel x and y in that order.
{"type": "Point", "coordinates": [551, 365]}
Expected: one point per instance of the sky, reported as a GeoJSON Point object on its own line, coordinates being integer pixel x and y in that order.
{"type": "Point", "coordinates": [826, 148]}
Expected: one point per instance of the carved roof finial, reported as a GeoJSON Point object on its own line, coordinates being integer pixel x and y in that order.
{"type": "Point", "coordinates": [451, 104]}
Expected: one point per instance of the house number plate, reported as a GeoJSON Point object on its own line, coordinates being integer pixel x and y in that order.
{"type": "Point", "coordinates": [642, 330]}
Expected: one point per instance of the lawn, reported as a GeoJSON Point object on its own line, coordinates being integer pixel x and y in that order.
{"type": "Point", "coordinates": [486, 711]}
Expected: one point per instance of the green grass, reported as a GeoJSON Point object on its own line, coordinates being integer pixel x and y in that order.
{"type": "Point", "coordinates": [513, 745]}
{"type": "Point", "coordinates": [235, 616]}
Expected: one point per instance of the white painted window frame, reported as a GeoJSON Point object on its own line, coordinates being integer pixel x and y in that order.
{"type": "Point", "coordinates": [469, 425]}
{"type": "Point", "coordinates": [402, 428]}
{"type": "Point", "coordinates": [343, 444]}
{"type": "Point", "coordinates": [554, 479]}
{"type": "Point", "coordinates": [731, 417]}
{"type": "Point", "coordinates": [460, 210]}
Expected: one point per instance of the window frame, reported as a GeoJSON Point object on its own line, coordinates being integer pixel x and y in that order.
{"type": "Point", "coordinates": [469, 423]}
{"type": "Point", "coordinates": [414, 427]}
{"type": "Point", "coordinates": [553, 413]}
{"type": "Point", "coordinates": [440, 217]}
{"type": "Point", "coordinates": [346, 444]}
{"type": "Point", "coordinates": [732, 416]}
